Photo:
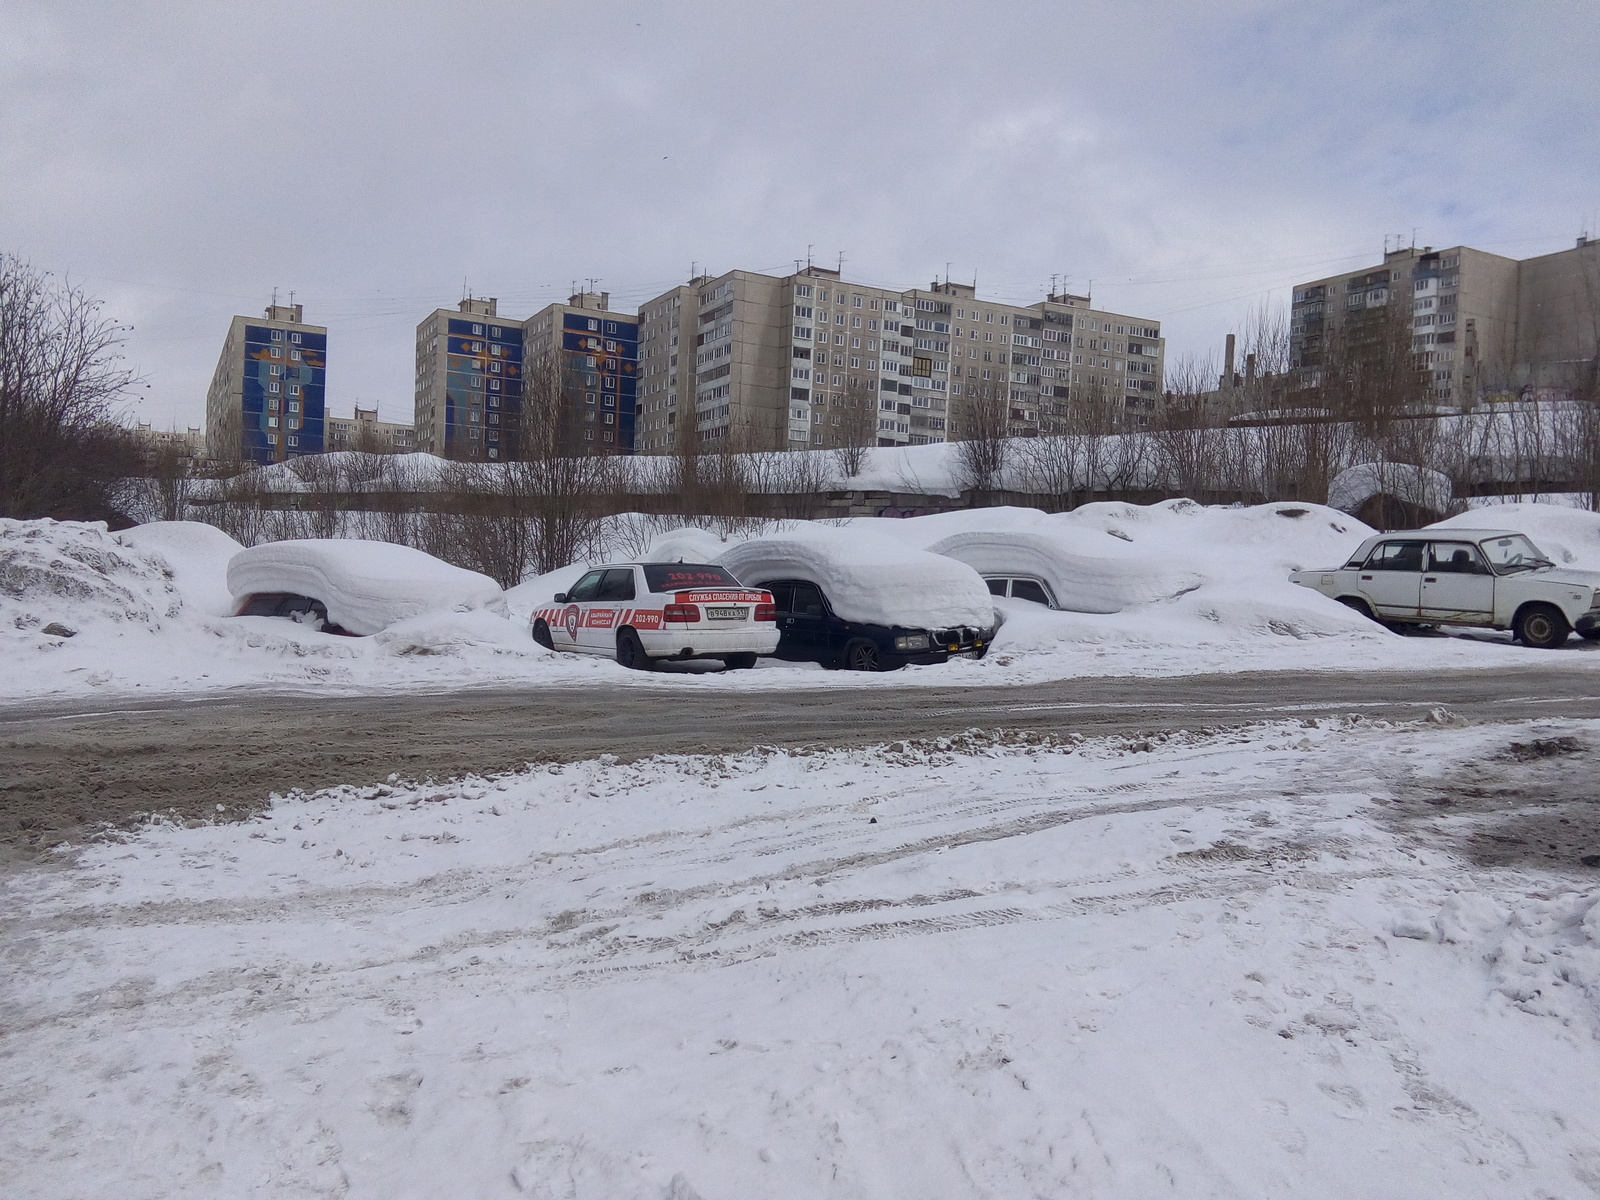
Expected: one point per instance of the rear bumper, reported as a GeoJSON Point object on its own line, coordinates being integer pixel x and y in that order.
{"type": "Point", "coordinates": [709, 643]}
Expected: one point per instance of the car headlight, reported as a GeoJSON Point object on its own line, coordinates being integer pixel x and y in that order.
{"type": "Point", "coordinates": [911, 641]}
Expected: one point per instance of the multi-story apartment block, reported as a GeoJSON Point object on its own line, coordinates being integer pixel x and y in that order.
{"type": "Point", "coordinates": [772, 361]}
{"type": "Point", "coordinates": [1480, 324]}
{"type": "Point", "coordinates": [189, 443]}
{"type": "Point", "coordinates": [597, 353]}
{"type": "Point", "coordinates": [266, 399]}
{"type": "Point", "coordinates": [365, 432]}
{"type": "Point", "coordinates": [468, 382]}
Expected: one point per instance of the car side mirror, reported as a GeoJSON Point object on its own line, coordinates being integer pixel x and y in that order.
{"type": "Point", "coordinates": [560, 598]}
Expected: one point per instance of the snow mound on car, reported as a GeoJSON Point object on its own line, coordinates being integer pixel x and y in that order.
{"type": "Point", "coordinates": [1089, 572]}
{"type": "Point", "coordinates": [366, 586]}
{"type": "Point", "coordinates": [686, 545]}
{"type": "Point", "coordinates": [1569, 536]}
{"type": "Point", "coordinates": [198, 556]}
{"type": "Point", "coordinates": [867, 577]}
{"type": "Point", "coordinates": [75, 575]}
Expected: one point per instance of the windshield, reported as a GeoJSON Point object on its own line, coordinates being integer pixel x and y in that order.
{"type": "Point", "coordinates": [673, 577]}
{"type": "Point", "coordinates": [1513, 553]}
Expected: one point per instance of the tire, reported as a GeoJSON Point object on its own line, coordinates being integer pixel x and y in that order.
{"type": "Point", "coordinates": [739, 662]}
{"type": "Point", "coordinates": [630, 652]}
{"type": "Point", "coordinates": [1356, 604]}
{"type": "Point", "coordinates": [541, 635]}
{"type": "Point", "coordinates": [861, 655]}
{"type": "Point", "coordinates": [1542, 626]}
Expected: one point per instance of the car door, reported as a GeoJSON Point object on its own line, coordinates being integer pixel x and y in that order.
{"type": "Point", "coordinates": [1457, 584]}
{"type": "Point", "coordinates": [1391, 578]}
{"type": "Point", "coordinates": [566, 632]}
{"type": "Point", "coordinates": [598, 632]}
{"type": "Point", "coordinates": [807, 627]}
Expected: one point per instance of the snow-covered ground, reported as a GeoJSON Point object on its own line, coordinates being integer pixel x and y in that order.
{"type": "Point", "coordinates": [1240, 964]}
{"type": "Point", "coordinates": [1201, 590]}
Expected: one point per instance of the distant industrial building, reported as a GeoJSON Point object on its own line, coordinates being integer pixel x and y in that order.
{"type": "Point", "coordinates": [770, 361]}
{"type": "Point", "coordinates": [266, 399]}
{"type": "Point", "coordinates": [1482, 325]}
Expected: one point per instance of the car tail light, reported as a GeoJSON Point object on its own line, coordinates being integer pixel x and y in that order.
{"type": "Point", "coordinates": [766, 612]}
{"type": "Point", "coordinates": [681, 614]}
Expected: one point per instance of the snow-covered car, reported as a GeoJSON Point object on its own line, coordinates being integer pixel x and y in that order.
{"type": "Point", "coordinates": [864, 602]}
{"type": "Point", "coordinates": [642, 613]}
{"type": "Point", "coordinates": [346, 585]}
{"type": "Point", "coordinates": [1491, 578]}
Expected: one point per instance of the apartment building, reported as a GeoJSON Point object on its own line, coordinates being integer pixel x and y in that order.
{"type": "Point", "coordinates": [365, 432]}
{"type": "Point", "coordinates": [772, 361]}
{"type": "Point", "coordinates": [266, 399]}
{"type": "Point", "coordinates": [598, 352]}
{"type": "Point", "coordinates": [1482, 325]}
{"type": "Point", "coordinates": [468, 382]}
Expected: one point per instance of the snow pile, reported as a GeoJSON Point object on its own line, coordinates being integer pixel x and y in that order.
{"type": "Point", "coordinates": [474, 631]}
{"type": "Point", "coordinates": [71, 576]}
{"type": "Point", "coordinates": [1087, 572]}
{"type": "Point", "coordinates": [686, 545]}
{"type": "Point", "coordinates": [366, 586]}
{"type": "Point", "coordinates": [1170, 966]}
{"type": "Point", "coordinates": [1570, 537]}
{"type": "Point", "coordinates": [1421, 486]}
{"type": "Point", "coordinates": [867, 577]}
{"type": "Point", "coordinates": [197, 554]}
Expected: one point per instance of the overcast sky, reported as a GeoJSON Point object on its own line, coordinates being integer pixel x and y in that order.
{"type": "Point", "coordinates": [1190, 159]}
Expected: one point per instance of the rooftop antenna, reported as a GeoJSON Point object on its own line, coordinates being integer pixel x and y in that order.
{"type": "Point", "coordinates": [841, 264]}
{"type": "Point", "coordinates": [809, 246]}
{"type": "Point", "coordinates": [1053, 284]}
{"type": "Point", "coordinates": [1413, 237]}
{"type": "Point", "coordinates": [694, 270]}
{"type": "Point", "coordinates": [274, 297]}
{"type": "Point", "coordinates": [947, 274]}
{"type": "Point", "coordinates": [291, 297]}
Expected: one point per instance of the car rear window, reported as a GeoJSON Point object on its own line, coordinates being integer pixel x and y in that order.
{"type": "Point", "coordinates": [672, 577]}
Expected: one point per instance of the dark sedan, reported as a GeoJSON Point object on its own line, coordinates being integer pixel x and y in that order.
{"type": "Point", "coordinates": [810, 631]}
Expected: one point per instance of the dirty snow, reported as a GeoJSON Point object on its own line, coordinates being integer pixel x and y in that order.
{"type": "Point", "coordinates": [1249, 963]}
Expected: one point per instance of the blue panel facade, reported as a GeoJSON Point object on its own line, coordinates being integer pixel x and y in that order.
{"type": "Point", "coordinates": [284, 393]}
{"type": "Point", "coordinates": [604, 353]}
{"type": "Point", "coordinates": [483, 387]}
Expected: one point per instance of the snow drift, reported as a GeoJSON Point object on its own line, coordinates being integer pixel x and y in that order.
{"type": "Point", "coordinates": [1087, 572]}
{"type": "Point", "coordinates": [366, 586]}
{"type": "Point", "coordinates": [1569, 536]}
{"type": "Point", "coordinates": [867, 577]}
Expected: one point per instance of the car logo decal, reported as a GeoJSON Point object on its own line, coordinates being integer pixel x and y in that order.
{"type": "Point", "coordinates": [570, 620]}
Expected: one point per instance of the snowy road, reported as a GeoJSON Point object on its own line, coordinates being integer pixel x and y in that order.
{"type": "Point", "coordinates": [62, 765]}
{"type": "Point", "coordinates": [1290, 960]}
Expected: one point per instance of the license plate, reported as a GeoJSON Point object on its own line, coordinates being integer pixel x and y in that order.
{"type": "Point", "coordinates": [725, 614]}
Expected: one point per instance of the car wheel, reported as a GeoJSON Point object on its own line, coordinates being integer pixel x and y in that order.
{"type": "Point", "coordinates": [1542, 626]}
{"type": "Point", "coordinates": [1356, 604]}
{"type": "Point", "coordinates": [541, 634]}
{"type": "Point", "coordinates": [630, 652]}
{"type": "Point", "coordinates": [861, 655]}
{"type": "Point", "coordinates": [739, 662]}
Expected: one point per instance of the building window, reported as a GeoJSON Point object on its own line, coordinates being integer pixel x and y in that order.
{"type": "Point", "coordinates": [273, 388]}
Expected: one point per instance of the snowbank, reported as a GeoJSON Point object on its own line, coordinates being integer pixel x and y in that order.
{"type": "Point", "coordinates": [198, 555]}
{"type": "Point", "coordinates": [868, 578]}
{"type": "Point", "coordinates": [1569, 536]}
{"type": "Point", "coordinates": [1088, 572]}
{"type": "Point", "coordinates": [686, 545]}
{"type": "Point", "coordinates": [74, 576]}
{"type": "Point", "coordinates": [366, 586]}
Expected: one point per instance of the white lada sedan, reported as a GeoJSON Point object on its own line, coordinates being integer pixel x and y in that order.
{"type": "Point", "coordinates": [1491, 578]}
{"type": "Point", "coordinates": [644, 613]}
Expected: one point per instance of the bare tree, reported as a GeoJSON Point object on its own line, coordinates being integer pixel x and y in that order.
{"type": "Point", "coordinates": [982, 446]}
{"type": "Point", "coordinates": [856, 430]}
{"type": "Point", "coordinates": [61, 454]}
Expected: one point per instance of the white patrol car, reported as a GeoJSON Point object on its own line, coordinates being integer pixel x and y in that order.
{"type": "Point", "coordinates": [1492, 578]}
{"type": "Point", "coordinates": [641, 613]}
